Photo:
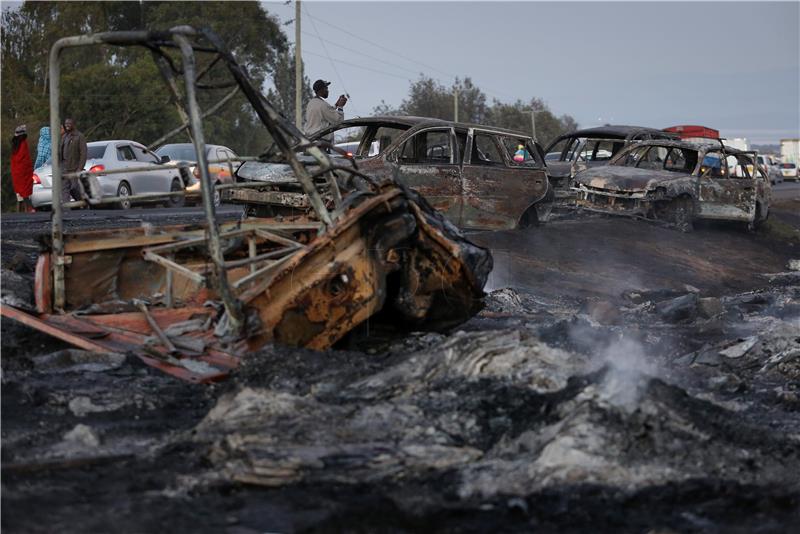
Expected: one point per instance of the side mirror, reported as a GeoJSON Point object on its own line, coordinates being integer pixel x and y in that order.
{"type": "Point", "coordinates": [164, 159]}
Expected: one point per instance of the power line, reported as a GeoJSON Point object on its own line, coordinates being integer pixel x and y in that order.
{"type": "Point", "coordinates": [490, 91]}
{"type": "Point", "coordinates": [365, 54]}
{"type": "Point", "coordinates": [384, 48]}
{"type": "Point", "coordinates": [360, 66]}
{"type": "Point", "coordinates": [322, 42]}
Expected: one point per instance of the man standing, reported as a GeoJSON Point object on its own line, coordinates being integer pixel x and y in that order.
{"type": "Point", "coordinates": [73, 158]}
{"type": "Point", "coordinates": [320, 114]}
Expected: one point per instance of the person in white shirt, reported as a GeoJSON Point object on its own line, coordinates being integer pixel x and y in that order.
{"type": "Point", "coordinates": [320, 114]}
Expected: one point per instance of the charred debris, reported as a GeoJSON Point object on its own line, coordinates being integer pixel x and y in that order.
{"type": "Point", "coordinates": [192, 300]}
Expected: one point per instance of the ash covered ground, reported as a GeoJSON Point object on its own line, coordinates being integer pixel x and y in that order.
{"type": "Point", "coordinates": [622, 376]}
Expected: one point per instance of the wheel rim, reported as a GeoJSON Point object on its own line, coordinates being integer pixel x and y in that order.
{"type": "Point", "coordinates": [124, 192]}
{"type": "Point", "coordinates": [175, 186]}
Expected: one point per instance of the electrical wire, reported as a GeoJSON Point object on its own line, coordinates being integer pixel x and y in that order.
{"type": "Point", "coordinates": [359, 52]}
{"type": "Point", "coordinates": [306, 51]}
{"type": "Point", "coordinates": [383, 47]}
{"type": "Point", "coordinates": [333, 65]}
{"type": "Point", "coordinates": [488, 90]}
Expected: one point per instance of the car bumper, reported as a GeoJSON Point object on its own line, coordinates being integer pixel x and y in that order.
{"type": "Point", "coordinates": [42, 197]}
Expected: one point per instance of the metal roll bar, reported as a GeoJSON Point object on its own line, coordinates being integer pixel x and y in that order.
{"type": "Point", "coordinates": [281, 130]}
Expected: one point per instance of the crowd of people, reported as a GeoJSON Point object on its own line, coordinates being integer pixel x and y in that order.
{"type": "Point", "coordinates": [72, 154]}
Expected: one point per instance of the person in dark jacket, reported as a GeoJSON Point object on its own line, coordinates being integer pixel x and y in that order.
{"type": "Point", "coordinates": [73, 158]}
{"type": "Point", "coordinates": [21, 169]}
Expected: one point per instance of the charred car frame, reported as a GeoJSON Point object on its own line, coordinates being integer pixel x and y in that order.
{"type": "Point", "coordinates": [576, 151]}
{"type": "Point", "coordinates": [466, 171]}
{"type": "Point", "coordinates": [678, 182]}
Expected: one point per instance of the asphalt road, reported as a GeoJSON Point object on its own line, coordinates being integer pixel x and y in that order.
{"type": "Point", "coordinates": [786, 191]}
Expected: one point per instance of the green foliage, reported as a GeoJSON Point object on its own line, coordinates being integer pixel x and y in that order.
{"type": "Point", "coordinates": [282, 96]}
{"type": "Point", "coordinates": [118, 93]}
{"type": "Point", "coordinates": [429, 98]}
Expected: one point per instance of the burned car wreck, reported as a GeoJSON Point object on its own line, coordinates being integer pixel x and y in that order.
{"type": "Point", "coordinates": [678, 182]}
{"type": "Point", "coordinates": [576, 151]}
{"type": "Point", "coordinates": [480, 177]}
{"type": "Point", "coordinates": [194, 299]}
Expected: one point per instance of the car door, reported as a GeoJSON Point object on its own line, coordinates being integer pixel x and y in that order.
{"type": "Point", "coordinates": [126, 159]}
{"type": "Point", "coordinates": [497, 190]}
{"type": "Point", "coordinates": [157, 180]}
{"type": "Point", "coordinates": [726, 186]}
{"type": "Point", "coordinates": [428, 162]}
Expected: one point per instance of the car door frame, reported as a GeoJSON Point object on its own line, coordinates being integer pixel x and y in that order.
{"type": "Point", "coordinates": [497, 196]}
{"type": "Point", "coordinates": [448, 197]}
{"type": "Point", "coordinates": [727, 198]}
{"type": "Point", "coordinates": [155, 181]}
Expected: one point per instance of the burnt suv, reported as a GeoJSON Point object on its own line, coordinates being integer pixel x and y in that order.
{"type": "Point", "coordinates": [678, 182]}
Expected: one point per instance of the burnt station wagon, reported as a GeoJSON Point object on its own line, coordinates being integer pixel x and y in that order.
{"type": "Point", "coordinates": [678, 182]}
{"type": "Point", "coordinates": [478, 176]}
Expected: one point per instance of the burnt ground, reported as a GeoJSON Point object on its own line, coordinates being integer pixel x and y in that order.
{"type": "Point", "coordinates": [623, 376]}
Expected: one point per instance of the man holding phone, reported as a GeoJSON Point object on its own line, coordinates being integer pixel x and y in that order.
{"type": "Point", "coordinates": [320, 114]}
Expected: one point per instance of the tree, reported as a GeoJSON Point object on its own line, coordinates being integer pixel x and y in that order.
{"type": "Point", "coordinates": [282, 95]}
{"type": "Point", "coordinates": [115, 92]}
{"type": "Point", "coordinates": [429, 98]}
{"type": "Point", "coordinates": [517, 116]}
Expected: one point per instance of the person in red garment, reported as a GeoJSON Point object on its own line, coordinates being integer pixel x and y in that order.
{"type": "Point", "coordinates": [22, 169]}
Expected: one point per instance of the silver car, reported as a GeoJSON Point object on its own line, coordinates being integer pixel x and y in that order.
{"type": "Point", "coordinates": [114, 155]}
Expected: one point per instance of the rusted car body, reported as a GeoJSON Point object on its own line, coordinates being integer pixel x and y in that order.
{"type": "Point", "coordinates": [678, 182]}
{"type": "Point", "coordinates": [195, 299]}
{"type": "Point", "coordinates": [576, 151]}
{"type": "Point", "coordinates": [466, 171]}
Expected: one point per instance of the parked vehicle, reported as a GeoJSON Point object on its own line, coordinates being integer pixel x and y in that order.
{"type": "Point", "coordinates": [220, 173]}
{"type": "Point", "coordinates": [678, 182]}
{"type": "Point", "coordinates": [790, 171]}
{"type": "Point", "coordinates": [466, 171]}
{"type": "Point", "coordinates": [592, 147]}
{"type": "Point", "coordinates": [772, 167]}
{"type": "Point", "coordinates": [115, 155]}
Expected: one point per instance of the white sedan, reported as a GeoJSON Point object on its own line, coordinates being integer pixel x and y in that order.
{"type": "Point", "coordinates": [114, 155]}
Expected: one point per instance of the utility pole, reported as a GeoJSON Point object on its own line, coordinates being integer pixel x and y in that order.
{"type": "Point", "coordinates": [455, 104]}
{"type": "Point", "coordinates": [533, 123]}
{"type": "Point", "coordinates": [298, 70]}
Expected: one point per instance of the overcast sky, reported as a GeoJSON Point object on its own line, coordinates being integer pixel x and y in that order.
{"type": "Point", "coordinates": [734, 66]}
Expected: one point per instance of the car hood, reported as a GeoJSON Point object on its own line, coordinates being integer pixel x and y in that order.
{"type": "Point", "coordinates": [614, 178]}
{"type": "Point", "coordinates": [276, 173]}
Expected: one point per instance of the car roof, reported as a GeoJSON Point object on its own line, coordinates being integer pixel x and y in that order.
{"type": "Point", "coordinates": [692, 145]}
{"type": "Point", "coordinates": [208, 145]}
{"type": "Point", "coordinates": [413, 121]}
{"type": "Point", "coordinates": [98, 143]}
{"type": "Point", "coordinates": [620, 131]}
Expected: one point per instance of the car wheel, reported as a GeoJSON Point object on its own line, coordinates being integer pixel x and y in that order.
{"type": "Point", "coordinates": [124, 190]}
{"type": "Point", "coordinates": [175, 201]}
